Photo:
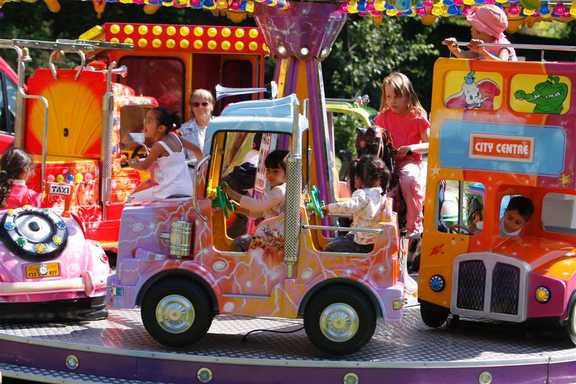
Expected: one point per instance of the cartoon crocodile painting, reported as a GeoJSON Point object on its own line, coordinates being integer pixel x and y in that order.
{"type": "Point", "coordinates": [547, 97]}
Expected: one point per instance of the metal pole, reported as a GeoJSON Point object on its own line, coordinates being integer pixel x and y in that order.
{"type": "Point", "coordinates": [106, 154]}
{"type": "Point", "coordinates": [293, 195]}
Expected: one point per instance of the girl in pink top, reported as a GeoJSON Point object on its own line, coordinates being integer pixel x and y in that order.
{"type": "Point", "coordinates": [487, 23]}
{"type": "Point", "coordinates": [15, 168]}
{"type": "Point", "coordinates": [404, 118]}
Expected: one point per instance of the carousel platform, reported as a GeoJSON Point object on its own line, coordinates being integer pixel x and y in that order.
{"type": "Point", "coordinates": [118, 350]}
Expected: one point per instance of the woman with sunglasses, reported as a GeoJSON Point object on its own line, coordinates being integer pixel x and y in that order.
{"type": "Point", "coordinates": [194, 130]}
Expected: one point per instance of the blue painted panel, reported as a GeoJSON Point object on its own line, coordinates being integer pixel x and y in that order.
{"type": "Point", "coordinates": [549, 147]}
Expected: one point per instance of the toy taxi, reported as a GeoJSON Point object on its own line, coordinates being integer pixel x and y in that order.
{"type": "Point", "coordinates": [501, 144]}
{"type": "Point", "coordinates": [177, 262]}
{"type": "Point", "coordinates": [48, 270]}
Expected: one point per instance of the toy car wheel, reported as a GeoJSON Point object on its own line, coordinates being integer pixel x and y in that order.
{"type": "Point", "coordinates": [339, 320]}
{"type": "Point", "coordinates": [433, 316]}
{"type": "Point", "coordinates": [176, 312]}
{"type": "Point", "coordinates": [36, 234]}
{"type": "Point", "coordinates": [571, 322]}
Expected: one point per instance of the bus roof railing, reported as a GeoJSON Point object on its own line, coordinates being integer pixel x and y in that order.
{"type": "Point", "coordinates": [535, 47]}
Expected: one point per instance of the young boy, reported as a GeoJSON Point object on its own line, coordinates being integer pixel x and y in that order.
{"type": "Point", "coordinates": [517, 214]}
{"type": "Point", "coordinates": [270, 206]}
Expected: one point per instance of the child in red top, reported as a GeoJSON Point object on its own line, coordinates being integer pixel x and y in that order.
{"type": "Point", "coordinates": [404, 118]}
{"type": "Point", "coordinates": [15, 168]}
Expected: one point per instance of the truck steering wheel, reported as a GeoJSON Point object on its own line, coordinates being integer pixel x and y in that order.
{"type": "Point", "coordinates": [140, 152]}
{"type": "Point", "coordinates": [221, 200]}
{"type": "Point", "coordinates": [315, 204]}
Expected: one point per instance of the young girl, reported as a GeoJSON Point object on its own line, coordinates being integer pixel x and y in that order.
{"type": "Point", "coordinates": [405, 120]}
{"type": "Point", "coordinates": [487, 23]}
{"type": "Point", "coordinates": [366, 205]}
{"type": "Point", "coordinates": [271, 205]}
{"type": "Point", "coordinates": [15, 168]}
{"type": "Point", "coordinates": [166, 160]}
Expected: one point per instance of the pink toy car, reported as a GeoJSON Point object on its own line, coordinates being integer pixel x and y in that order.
{"type": "Point", "coordinates": [48, 270]}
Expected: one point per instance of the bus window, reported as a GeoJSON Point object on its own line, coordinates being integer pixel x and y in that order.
{"type": "Point", "coordinates": [559, 213]}
{"type": "Point", "coordinates": [461, 207]}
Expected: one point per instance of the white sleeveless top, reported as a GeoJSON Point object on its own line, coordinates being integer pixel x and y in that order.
{"type": "Point", "coordinates": [172, 175]}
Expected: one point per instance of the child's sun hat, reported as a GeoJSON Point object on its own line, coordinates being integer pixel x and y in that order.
{"type": "Point", "coordinates": [489, 19]}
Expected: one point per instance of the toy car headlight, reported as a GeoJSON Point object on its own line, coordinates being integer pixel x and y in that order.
{"type": "Point", "coordinates": [179, 238]}
{"type": "Point", "coordinates": [437, 283]}
{"type": "Point", "coordinates": [543, 295]}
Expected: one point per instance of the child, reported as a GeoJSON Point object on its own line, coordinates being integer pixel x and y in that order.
{"type": "Point", "coordinates": [166, 160]}
{"type": "Point", "coordinates": [15, 168]}
{"type": "Point", "coordinates": [366, 205]}
{"type": "Point", "coordinates": [517, 214]}
{"type": "Point", "coordinates": [271, 205]}
{"type": "Point", "coordinates": [487, 23]}
{"type": "Point", "coordinates": [405, 120]}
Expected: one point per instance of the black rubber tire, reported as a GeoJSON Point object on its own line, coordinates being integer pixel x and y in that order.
{"type": "Point", "coordinates": [570, 324]}
{"type": "Point", "coordinates": [433, 315]}
{"type": "Point", "coordinates": [340, 294]}
{"type": "Point", "coordinates": [193, 293]}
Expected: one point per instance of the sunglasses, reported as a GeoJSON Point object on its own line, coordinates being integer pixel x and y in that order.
{"type": "Point", "coordinates": [204, 104]}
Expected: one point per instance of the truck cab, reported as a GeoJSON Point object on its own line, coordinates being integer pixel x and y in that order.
{"type": "Point", "coordinates": [177, 261]}
{"type": "Point", "coordinates": [500, 130]}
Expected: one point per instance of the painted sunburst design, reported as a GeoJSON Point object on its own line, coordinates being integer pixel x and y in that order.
{"type": "Point", "coordinates": [74, 119]}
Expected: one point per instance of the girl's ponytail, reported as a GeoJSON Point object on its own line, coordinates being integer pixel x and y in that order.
{"type": "Point", "coordinates": [170, 120]}
{"type": "Point", "coordinates": [371, 169]}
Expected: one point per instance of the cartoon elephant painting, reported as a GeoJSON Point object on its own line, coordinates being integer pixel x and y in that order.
{"type": "Point", "coordinates": [547, 97]}
{"type": "Point", "coordinates": [474, 95]}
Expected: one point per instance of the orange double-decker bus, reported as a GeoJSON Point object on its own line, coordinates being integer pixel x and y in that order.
{"type": "Point", "coordinates": [500, 130]}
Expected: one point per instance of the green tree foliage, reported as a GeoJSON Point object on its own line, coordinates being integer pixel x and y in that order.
{"type": "Point", "coordinates": [365, 53]}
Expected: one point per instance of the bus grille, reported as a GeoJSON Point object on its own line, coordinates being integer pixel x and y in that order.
{"type": "Point", "coordinates": [471, 283]}
{"type": "Point", "coordinates": [505, 289]}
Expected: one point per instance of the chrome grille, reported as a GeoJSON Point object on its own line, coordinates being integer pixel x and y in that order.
{"type": "Point", "coordinates": [505, 289]}
{"type": "Point", "coordinates": [471, 283]}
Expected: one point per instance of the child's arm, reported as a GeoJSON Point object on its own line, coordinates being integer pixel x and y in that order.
{"type": "Point", "coordinates": [270, 200]}
{"type": "Point", "coordinates": [356, 202]}
{"type": "Point", "coordinates": [452, 45]}
{"type": "Point", "coordinates": [154, 154]}
{"type": "Point", "coordinates": [257, 205]}
{"type": "Point", "coordinates": [503, 55]}
{"type": "Point", "coordinates": [192, 147]}
{"type": "Point", "coordinates": [421, 147]}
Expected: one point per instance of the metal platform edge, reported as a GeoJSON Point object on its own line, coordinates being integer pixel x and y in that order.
{"type": "Point", "coordinates": [55, 362]}
{"type": "Point", "coordinates": [335, 363]}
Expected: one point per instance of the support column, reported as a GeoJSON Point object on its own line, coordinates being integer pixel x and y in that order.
{"type": "Point", "coordinates": [299, 39]}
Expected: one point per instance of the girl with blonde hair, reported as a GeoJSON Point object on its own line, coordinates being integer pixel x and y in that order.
{"type": "Point", "coordinates": [402, 115]}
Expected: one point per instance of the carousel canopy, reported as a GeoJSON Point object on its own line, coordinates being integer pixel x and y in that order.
{"type": "Point", "coordinates": [526, 11]}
